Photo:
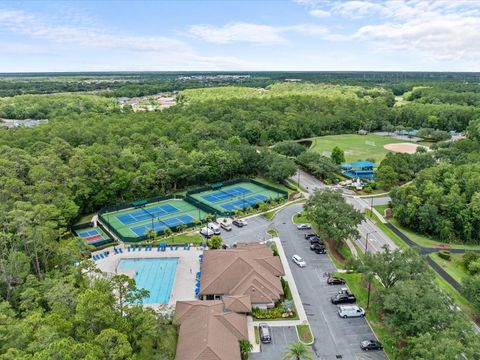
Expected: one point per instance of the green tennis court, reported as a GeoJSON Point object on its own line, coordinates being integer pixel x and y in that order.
{"type": "Point", "coordinates": [138, 221]}
{"type": "Point", "coordinates": [229, 198]}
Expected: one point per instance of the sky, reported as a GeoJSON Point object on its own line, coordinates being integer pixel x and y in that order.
{"type": "Point", "coordinates": [296, 35]}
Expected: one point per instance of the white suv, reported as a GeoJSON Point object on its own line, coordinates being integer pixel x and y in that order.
{"type": "Point", "coordinates": [348, 311]}
{"type": "Point", "coordinates": [299, 261]}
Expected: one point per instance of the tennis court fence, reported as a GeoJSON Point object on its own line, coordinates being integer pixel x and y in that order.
{"type": "Point", "coordinates": [76, 228]}
{"type": "Point", "coordinates": [218, 186]}
{"type": "Point", "coordinates": [130, 239]}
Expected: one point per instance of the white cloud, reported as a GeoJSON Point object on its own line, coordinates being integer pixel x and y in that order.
{"type": "Point", "coordinates": [237, 32]}
{"type": "Point", "coordinates": [65, 33]}
{"type": "Point", "coordinates": [319, 13]}
{"type": "Point", "coordinates": [357, 9]}
{"type": "Point", "coordinates": [240, 32]}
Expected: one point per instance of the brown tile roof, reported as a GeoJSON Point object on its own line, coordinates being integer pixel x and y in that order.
{"type": "Point", "coordinates": [238, 303]}
{"type": "Point", "coordinates": [249, 269]}
{"type": "Point", "coordinates": [207, 332]}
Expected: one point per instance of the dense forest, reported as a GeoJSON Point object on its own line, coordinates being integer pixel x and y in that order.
{"type": "Point", "coordinates": [91, 154]}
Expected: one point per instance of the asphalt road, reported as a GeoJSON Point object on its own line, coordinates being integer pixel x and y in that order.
{"type": "Point", "coordinates": [335, 338]}
{"type": "Point", "coordinates": [376, 237]}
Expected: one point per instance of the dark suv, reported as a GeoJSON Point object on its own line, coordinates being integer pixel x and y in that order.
{"type": "Point", "coordinates": [308, 236]}
{"type": "Point", "coordinates": [237, 223]}
{"type": "Point", "coordinates": [319, 249]}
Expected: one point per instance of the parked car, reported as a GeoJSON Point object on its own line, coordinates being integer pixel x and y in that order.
{"type": "Point", "coordinates": [371, 345]}
{"type": "Point", "coordinates": [343, 290]}
{"type": "Point", "coordinates": [304, 227]}
{"type": "Point", "coordinates": [348, 311]}
{"type": "Point", "coordinates": [316, 241]}
{"type": "Point", "coordinates": [308, 236]}
{"type": "Point", "coordinates": [214, 227]}
{"type": "Point", "coordinates": [321, 250]}
{"type": "Point", "coordinates": [226, 226]}
{"type": "Point", "coordinates": [335, 281]}
{"type": "Point", "coordinates": [238, 223]}
{"type": "Point", "coordinates": [316, 246]}
{"type": "Point", "coordinates": [343, 299]}
{"type": "Point", "coordinates": [205, 231]}
{"type": "Point", "coordinates": [299, 261]}
{"type": "Point", "coordinates": [264, 332]}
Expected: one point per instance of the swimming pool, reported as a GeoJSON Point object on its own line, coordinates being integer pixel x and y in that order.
{"type": "Point", "coordinates": [155, 275]}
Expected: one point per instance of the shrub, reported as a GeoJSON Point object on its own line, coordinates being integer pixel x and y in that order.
{"type": "Point", "coordinates": [215, 242]}
{"type": "Point", "coordinates": [468, 258]}
{"type": "Point", "coordinates": [286, 289]}
{"type": "Point", "coordinates": [445, 254]}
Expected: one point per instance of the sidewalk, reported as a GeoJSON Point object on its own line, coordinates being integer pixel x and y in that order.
{"type": "Point", "coordinates": [302, 316]}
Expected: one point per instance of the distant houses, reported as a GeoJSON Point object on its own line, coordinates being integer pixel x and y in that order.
{"type": "Point", "coordinates": [28, 123]}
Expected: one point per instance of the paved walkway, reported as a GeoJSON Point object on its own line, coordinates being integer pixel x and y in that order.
{"type": "Point", "coordinates": [302, 316]}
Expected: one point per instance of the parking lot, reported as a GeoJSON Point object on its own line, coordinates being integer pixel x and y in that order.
{"type": "Point", "coordinates": [335, 338]}
{"type": "Point", "coordinates": [281, 337]}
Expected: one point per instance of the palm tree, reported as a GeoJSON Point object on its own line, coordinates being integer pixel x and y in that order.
{"type": "Point", "coordinates": [245, 348]}
{"type": "Point", "coordinates": [297, 351]}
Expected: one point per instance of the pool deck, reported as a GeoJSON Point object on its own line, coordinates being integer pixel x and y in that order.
{"type": "Point", "coordinates": [187, 267]}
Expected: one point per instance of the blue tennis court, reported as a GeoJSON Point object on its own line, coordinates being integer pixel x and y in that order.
{"type": "Point", "coordinates": [243, 203]}
{"type": "Point", "coordinates": [147, 213]}
{"type": "Point", "coordinates": [88, 233]}
{"type": "Point", "coordinates": [160, 225]}
{"type": "Point", "coordinates": [221, 195]}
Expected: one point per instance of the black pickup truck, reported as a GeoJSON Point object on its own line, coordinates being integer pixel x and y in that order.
{"type": "Point", "coordinates": [343, 298]}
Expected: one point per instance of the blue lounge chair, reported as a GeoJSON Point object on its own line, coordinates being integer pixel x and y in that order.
{"type": "Point", "coordinates": [105, 253]}
{"type": "Point", "coordinates": [151, 248]}
{"type": "Point", "coordinates": [101, 255]}
{"type": "Point", "coordinates": [128, 248]}
{"type": "Point", "coordinates": [171, 247]}
{"type": "Point", "coordinates": [134, 247]}
{"type": "Point", "coordinates": [140, 248]}
{"type": "Point", "coordinates": [115, 251]}
{"type": "Point", "coordinates": [120, 250]}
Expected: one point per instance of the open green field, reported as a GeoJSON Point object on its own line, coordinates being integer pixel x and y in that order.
{"type": "Point", "coordinates": [356, 147]}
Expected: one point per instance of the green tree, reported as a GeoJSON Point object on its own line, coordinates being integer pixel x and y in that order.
{"type": "Point", "coordinates": [245, 348]}
{"type": "Point", "coordinates": [280, 168]}
{"type": "Point", "coordinates": [387, 177]}
{"type": "Point", "coordinates": [215, 242]}
{"type": "Point", "coordinates": [393, 266]}
{"type": "Point", "coordinates": [297, 351]}
{"type": "Point", "coordinates": [114, 345]}
{"type": "Point", "coordinates": [332, 216]}
{"type": "Point", "coordinates": [338, 156]}
{"type": "Point", "coordinates": [471, 289]}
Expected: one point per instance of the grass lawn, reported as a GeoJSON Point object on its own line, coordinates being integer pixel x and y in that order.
{"type": "Point", "coordinates": [176, 239]}
{"type": "Point", "coordinates": [454, 267]}
{"type": "Point", "coordinates": [300, 218]}
{"type": "Point", "coordinates": [356, 147]}
{"type": "Point", "coordinates": [85, 219]}
{"type": "Point", "coordinates": [358, 287]}
{"type": "Point", "coordinates": [257, 335]}
{"type": "Point", "coordinates": [380, 208]}
{"type": "Point", "coordinates": [399, 242]}
{"type": "Point", "coordinates": [272, 232]}
{"type": "Point", "coordinates": [305, 334]}
{"type": "Point", "coordinates": [425, 241]}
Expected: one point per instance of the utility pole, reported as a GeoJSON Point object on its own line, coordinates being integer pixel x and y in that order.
{"type": "Point", "coordinates": [369, 275]}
